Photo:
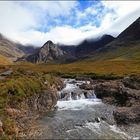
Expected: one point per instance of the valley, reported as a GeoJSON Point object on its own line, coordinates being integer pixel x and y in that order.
{"type": "Point", "coordinates": [89, 90]}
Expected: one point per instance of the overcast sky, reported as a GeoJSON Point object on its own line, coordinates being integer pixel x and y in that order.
{"type": "Point", "coordinates": [66, 22]}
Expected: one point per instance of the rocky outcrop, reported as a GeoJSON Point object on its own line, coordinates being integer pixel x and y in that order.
{"type": "Point", "coordinates": [42, 102]}
{"type": "Point", "coordinates": [116, 93]}
{"type": "Point", "coordinates": [48, 52]}
{"type": "Point", "coordinates": [124, 94]}
{"type": "Point", "coordinates": [132, 82]}
{"type": "Point", "coordinates": [86, 86]}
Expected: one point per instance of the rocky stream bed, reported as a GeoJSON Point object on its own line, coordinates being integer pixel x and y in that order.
{"type": "Point", "coordinates": [90, 109]}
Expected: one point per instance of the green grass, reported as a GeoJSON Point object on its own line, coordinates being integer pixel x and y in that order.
{"type": "Point", "coordinates": [17, 87]}
{"type": "Point", "coordinates": [87, 67]}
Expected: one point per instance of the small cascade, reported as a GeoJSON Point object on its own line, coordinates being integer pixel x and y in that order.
{"type": "Point", "coordinates": [80, 114]}
{"type": "Point", "coordinates": [73, 92]}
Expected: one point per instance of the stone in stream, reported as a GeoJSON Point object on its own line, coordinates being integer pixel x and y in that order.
{"type": "Point", "coordinates": [97, 119]}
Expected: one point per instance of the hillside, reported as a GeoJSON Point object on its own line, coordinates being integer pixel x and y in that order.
{"type": "Point", "coordinates": [121, 56]}
{"type": "Point", "coordinates": [47, 53]}
{"type": "Point", "coordinates": [8, 49]}
{"type": "Point", "coordinates": [125, 47]}
{"type": "Point", "coordinates": [56, 53]}
{"type": "Point", "coordinates": [12, 51]}
{"type": "Point", "coordinates": [4, 60]}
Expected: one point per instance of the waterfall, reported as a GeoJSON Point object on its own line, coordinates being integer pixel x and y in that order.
{"type": "Point", "coordinates": [73, 92]}
{"type": "Point", "coordinates": [77, 96]}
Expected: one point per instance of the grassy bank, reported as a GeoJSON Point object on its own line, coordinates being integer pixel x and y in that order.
{"type": "Point", "coordinates": [17, 87]}
{"type": "Point", "coordinates": [94, 69]}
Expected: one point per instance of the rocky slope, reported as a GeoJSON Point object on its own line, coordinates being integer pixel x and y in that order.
{"type": "Point", "coordinates": [12, 51]}
{"type": "Point", "coordinates": [125, 94]}
{"type": "Point", "coordinates": [125, 47]}
{"type": "Point", "coordinates": [8, 49]}
{"type": "Point", "coordinates": [47, 53]}
{"type": "Point", "coordinates": [87, 47]}
{"type": "Point", "coordinates": [62, 53]}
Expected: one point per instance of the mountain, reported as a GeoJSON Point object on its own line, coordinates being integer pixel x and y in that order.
{"type": "Point", "coordinates": [47, 53]}
{"type": "Point", "coordinates": [65, 53]}
{"type": "Point", "coordinates": [12, 51]}
{"type": "Point", "coordinates": [8, 49]}
{"type": "Point", "coordinates": [87, 47]}
{"type": "Point", "coordinates": [132, 33]}
{"type": "Point", "coordinates": [27, 49]}
{"type": "Point", "coordinates": [4, 60]}
{"type": "Point", "coordinates": [125, 47]}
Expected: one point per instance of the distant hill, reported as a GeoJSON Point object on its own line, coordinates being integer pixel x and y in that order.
{"type": "Point", "coordinates": [4, 60]}
{"type": "Point", "coordinates": [47, 53]}
{"type": "Point", "coordinates": [125, 46]}
{"type": "Point", "coordinates": [51, 52]}
{"type": "Point", "coordinates": [12, 51]}
{"type": "Point", "coordinates": [89, 46]}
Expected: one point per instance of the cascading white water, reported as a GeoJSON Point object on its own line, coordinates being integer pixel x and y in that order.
{"type": "Point", "coordinates": [74, 98]}
{"type": "Point", "coordinates": [73, 92]}
{"type": "Point", "coordinates": [79, 116]}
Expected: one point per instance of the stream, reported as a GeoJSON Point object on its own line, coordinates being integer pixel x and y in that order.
{"type": "Point", "coordinates": [80, 115]}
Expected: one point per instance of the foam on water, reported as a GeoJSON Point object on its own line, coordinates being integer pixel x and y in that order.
{"type": "Point", "coordinates": [77, 104]}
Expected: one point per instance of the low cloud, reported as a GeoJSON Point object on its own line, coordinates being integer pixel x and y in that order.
{"type": "Point", "coordinates": [63, 21]}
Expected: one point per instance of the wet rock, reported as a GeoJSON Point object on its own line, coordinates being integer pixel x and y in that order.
{"type": "Point", "coordinates": [89, 94]}
{"type": "Point", "coordinates": [83, 79]}
{"type": "Point", "coordinates": [127, 115]}
{"type": "Point", "coordinates": [97, 119]}
{"type": "Point", "coordinates": [74, 96]}
{"type": "Point", "coordinates": [86, 86]}
{"type": "Point", "coordinates": [132, 82]}
{"type": "Point", "coordinates": [116, 93]}
{"type": "Point", "coordinates": [43, 102]}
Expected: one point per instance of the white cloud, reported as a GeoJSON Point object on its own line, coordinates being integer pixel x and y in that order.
{"type": "Point", "coordinates": [19, 20]}
{"type": "Point", "coordinates": [126, 12]}
{"type": "Point", "coordinates": [14, 18]}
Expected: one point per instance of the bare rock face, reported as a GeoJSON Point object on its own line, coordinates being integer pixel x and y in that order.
{"type": "Point", "coordinates": [86, 86]}
{"type": "Point", "coordinates": [124, 94]}
{"type": "Point", "coordinates": [132, 82]}
{"type": "Point", "coordinates": [120, 95]}
{"type": "Point", "coordinates": [43, 102]}
{"type": "Point", "coordinates": [48, 52]}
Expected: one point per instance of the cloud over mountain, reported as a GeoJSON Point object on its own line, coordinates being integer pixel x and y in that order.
{"type": "Point", "coordinates": [66, 22]}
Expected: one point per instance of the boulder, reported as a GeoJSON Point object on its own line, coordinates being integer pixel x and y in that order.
{"type": "Point", "coordinates": [43, 102]}
{"type": "Point", "coordinates": [132, 82]}
{"type": "Point", "coordinates": [86, 86]}
{"type": "Point", "coordinates": [127, 115]}
{"type": "Point", "coordinates": [116, 93]}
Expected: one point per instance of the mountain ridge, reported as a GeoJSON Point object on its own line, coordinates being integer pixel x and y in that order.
{"type": "Point", "coordinates": [65, 53]}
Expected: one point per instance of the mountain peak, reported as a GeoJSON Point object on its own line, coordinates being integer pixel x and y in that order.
{"type": "Point", "coordinates": [132, 32]}
{"type": "Point", "coordinates": [49, 43]}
